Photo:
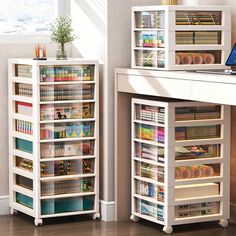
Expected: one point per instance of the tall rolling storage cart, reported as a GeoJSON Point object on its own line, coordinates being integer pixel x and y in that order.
{"type": "Point", "coordinates": [53, 137]}
{"type": "Point", "coordinates": [180, 162]}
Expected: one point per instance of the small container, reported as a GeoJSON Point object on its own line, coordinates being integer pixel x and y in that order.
{"type": "Point", "coordinates": [40, 52]}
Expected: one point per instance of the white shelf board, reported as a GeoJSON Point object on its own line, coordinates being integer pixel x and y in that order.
{"type": "Point", "coordinates": [67, 120]}
{"type": "Point", "coordinates": [22, 172]}
{"type": "Point", "coordinates": [22, 117]}
{"type": "Point", "coordinates": [149, 29]}
{"type": "Point", "coordinates": [20, 135]}
{"type": "Point", "coordinates": [24, 80]}
{"type": "Point", "coordinates": [22, 190]}
{"type": "Point", "coordinates": [153, 123]}
{"type": "Point", "coordinates": [68, 214]}
{"type": "Point", "coordinates": [199, 161]}
{"type": "Point", "coordinates": [152, 181]}
{"type": "Point", "coordinates": [68, 82]}
{"type": "Point", "coordinates": [22, 99]}
{"type": "Point", "coordinates": [22, 154]}
{"type": "Point", "coordinates": [199, 180]}
{"type": "Point", "coordinates": [148, 199]}
{"type": "Point", "coordinates": [150, 49]}
{"type": "Point", "coordinates": [198, 142]}
{"type": "Point", "coordinates": [66, 139]}
{"type": "Point", "coordinates": [149, 142]}
{"type": "Point", "coordinates": [67, 158]}
{"type": "Point", "coordinates": [148, 161]}
{"type": "Point", "coordinates": [67, 195]}
{"type": "Point", "coordinates": [67, 101]}
{"type": "Point", "coordinates": [149, 218]}
{"type": "Point", "coordinates": [199, 122]}
{"type": "Point", "coordinates": [22, 208]}
{"type": "Point", "coordinates": [66, 177]}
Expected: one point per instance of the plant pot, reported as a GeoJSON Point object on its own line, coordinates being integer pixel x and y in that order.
{"type": "Point", "coordinates": [62, 53]}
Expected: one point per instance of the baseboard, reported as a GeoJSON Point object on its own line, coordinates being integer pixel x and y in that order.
{"type": "Point", "coordinates": [4, 205]}
{"type": "Point", "coordinates": [107, 210]}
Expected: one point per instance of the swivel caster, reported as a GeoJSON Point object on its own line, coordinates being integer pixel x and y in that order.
{"type": "Point", "coordinates": [96, 216]}
{"type": "Point", "coordinates": [223, 223]}
{"type": "Point", "coordinates": [38, 222]}
{"type": "Point", "coordinates": [134, 218]}
{"type": "Point", "coordinates": [167, 229]}
{"type": "Point", "coordinates": [13, 211]}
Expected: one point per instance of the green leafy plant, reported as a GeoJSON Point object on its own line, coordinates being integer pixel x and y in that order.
{"type": "Point", "coordinates": [62, 32]}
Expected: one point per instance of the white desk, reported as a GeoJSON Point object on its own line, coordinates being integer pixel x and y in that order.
{"type": "Point", "coordinates": [130, 83]}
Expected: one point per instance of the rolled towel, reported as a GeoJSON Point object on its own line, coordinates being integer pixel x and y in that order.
{"type": "Point", "coordinates": [186, 58]}
{"type": "Point", "coordinates": [196, 171]}
{"type": "Point", "coordinates": [197, 58]}
{"type": "Point", "coordinates": [182, 172]}
{"type": "Point", "coordinates": [207, 171]}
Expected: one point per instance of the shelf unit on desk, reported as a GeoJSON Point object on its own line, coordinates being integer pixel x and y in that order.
{"type": "Point", "coordinates": [180, 162]}
{"type": "Point", "coordinates": [53, 138]}
{"type": "Point", "coordinates": [180, 37]}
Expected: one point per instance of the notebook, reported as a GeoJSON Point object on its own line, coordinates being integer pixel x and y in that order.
{"type": "Point", "coordinates": [231, 61]}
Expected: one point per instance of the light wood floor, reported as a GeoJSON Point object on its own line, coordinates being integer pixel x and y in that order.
{"type": "Point", "coordinates": [22, 225]}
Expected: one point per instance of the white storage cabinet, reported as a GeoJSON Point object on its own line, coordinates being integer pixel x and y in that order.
{"type": "Point", "coordinates": [53, 137]}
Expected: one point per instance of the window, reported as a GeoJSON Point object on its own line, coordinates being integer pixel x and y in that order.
{"type": "Point", "coordinates": [27, 16]}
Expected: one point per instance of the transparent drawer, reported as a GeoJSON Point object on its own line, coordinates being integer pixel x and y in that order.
{"type": "Point", "coordinates": [198, 113]}
{"type": "Point", "coordinates": [198, 37]}
{"type": "Point", "coordinates": [23, 126]}
{"type": "Point", "coordinates": [24, 164]}
{"type": "Point", "coordinates": [198, 18]}
{"type": "Point", "coordinates": [197, 171]}
{"type": "Point", "coordinates": [23, 145]}
{"type": "Point", "coordinates": [197, 190]}
{"type": "Point", "coordinates": [151, 190]}
{"type": "Point", "coordinates": [24, 182]}
{"type": "Point", "coordinates": [198, 209]}
{"type": "Point", "coordinates": [197, 132]}
{"type": "Point", "coordinates": [150, 19]}
{"type": "Point", "coordinates": [72, 204]}
{"type": "Point", "coordinates": [63, 92]}
{"type": "Point", "coordinates": [149, 113]}
{"type": "Point", "coordinates": [66, 149]}
{"type": "Point", "coordinates": [24, 200]}
{"type": "Point", "coordinates": [22, 70]}
{"type": "Point", "coordinates": [149, 152]}
{"type": "Point", "coordinates": [23, 89]}
{"type": "Point", "coordinates": [67, 130]}
{"type": "Point", "coordinates": [150, 39]}
{"type": "Point", "coordinates": [198, 57]}
{"type": "Point", "coordinates": [150, 58]}
{"type": "Point", "coordinates": [23, 108]}
{"type": "Point", "coordinates": [67, 167]}
{"type": "Point", "coordinates": [197, 151]}
{"type": "Point", "coordinates": [67, 73]}
{"type": "Point", "coordinates": [150, 171]}
{"type": "Point", "coordinates": [149, 209]}
{"type": "Point", "coordinates": [149, 132]}
{"type": "Point", "coordinates": [75, 185]}
{"type": "Point", "coordinates": [67, 111]}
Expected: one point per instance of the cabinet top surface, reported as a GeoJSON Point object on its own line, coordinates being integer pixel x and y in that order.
{"type": "Point", "coordinates": [52, 61]}
{"type": "Point", "coordinates": [180, 7]}
{"type": "Point", "coordinates": [181, 75]}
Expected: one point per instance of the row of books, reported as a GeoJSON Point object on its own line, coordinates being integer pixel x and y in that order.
{"type": "Point", "coordinates": [68, 130]}
{"type": "Point", "coordinates": [198, 37]}
{"type": "Point", "coordinates": [198, 132]}
{"type": "Point", "coordinates": [198, 209]}
{"type": "Point", "coordinates": [66, 149]}
{"type": "Point", "coordinates": [24, 126]}
{"type": "Point", "coordinates": [198, 18]}
{"type": "Point", "coordinates": [153, 40]}
{"type": "Point", "coordinates": [66, 167]}
{"type": "Point", "coordinates": [150, 152]}
{"type": "Point", "coordinates": [25, 90]}
{"type": "Point", "coordinates": [149, 132]}
{"type": "Point", "coordinates": [154, 19]}
{"type": "Point", "coordinates": [67, 186]}
{"type": "Point", "coordinates": [66, 73]}
{"type": "Point", "coordinates": [66, 111]}
{"type": "Point", "coordinates": [23, 71]}
{"type": "Point", "coordinates": [150, 113]}
{"type": "Point", "coordinates": [72, 92]}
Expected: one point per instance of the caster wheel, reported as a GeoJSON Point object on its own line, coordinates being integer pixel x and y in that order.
{"type": "Point", "coordinates": [134, 218]}
{"type": "Point", "coordinates": [223, 223]}
{"type": "Point", "coordinates": [167, 229]}
{"type": "Point", "coordinates": [96, 216]}
{"type": "Point", "coordinates": [13, 211]}
{"type": "Point", "coordinates": [38, 222]}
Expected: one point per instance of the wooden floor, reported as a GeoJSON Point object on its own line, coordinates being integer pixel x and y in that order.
{"type": "Point", "coordinates": [22, 225]}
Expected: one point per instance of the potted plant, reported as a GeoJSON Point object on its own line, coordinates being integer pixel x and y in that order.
{"type": "Point", "coordinates": [62, 33]}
